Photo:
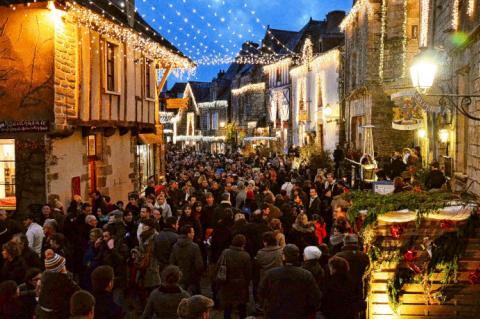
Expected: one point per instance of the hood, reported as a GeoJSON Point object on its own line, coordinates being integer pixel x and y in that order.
{"type": "Point", "coordinates": [183, 241]}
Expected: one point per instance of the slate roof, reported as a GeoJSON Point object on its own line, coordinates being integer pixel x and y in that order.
{"type": "Point", "coordinates": [114, 11]}
{"type": "Point", "coordinates": [201, 91]}
{"type": "Point", "coordinates": [177, 89]}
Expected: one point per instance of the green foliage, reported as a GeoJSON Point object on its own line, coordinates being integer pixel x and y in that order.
{"type": "Point", "coordinates": [395, 286]}
{"type": "Point", "coordinates": [316, 157]}
{"type": "Point", "coordinates": [231, 133]}
{"type": "Point", "coordinates": [376, 204]}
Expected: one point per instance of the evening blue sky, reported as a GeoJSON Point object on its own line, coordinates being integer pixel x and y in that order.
{"type": "Point", "coordinates": [207, 29]}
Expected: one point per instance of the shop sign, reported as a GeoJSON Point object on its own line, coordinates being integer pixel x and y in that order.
{"type": "Point", "coordinates": [23, 126]}
{"type": "Point", "coordinates": [407, 115]}
{"type": "Point", "coordinates": [383, 187]}
{"type": "Point", "coordinates": [177, 103]}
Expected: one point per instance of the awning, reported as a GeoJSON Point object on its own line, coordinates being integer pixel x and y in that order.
{"type": "Point", "coordinates": [150, 139]}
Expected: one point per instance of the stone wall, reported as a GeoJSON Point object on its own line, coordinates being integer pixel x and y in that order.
{"type": "Point", "coordinates": [65, 80]}
{"type": "Point", "coordinates": [115, 167]}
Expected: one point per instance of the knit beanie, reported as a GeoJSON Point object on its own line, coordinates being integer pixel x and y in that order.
{"type": "Point", "coordinates": [53, 262]}
{"type": "Point", "coordinates": [312, 253]}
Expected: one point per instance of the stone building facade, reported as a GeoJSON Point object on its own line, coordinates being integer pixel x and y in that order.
{"type": "Point", "coordinates": [79, 105]}
{"type": "Point", "coordinates": [381, 38]}
{"type": "Point", "coordinates": [453, 29]}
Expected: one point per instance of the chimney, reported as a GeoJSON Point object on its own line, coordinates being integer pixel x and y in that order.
{"type": "Point", "coordinates": [334, 18]}
{"type": "Point", "coordinates": [130, 11]}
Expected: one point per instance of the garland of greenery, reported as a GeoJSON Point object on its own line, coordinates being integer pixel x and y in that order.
{"type": "Point", "coordinates": [376, 205]}
{"type": "Point", "coordinates": [446, 251]}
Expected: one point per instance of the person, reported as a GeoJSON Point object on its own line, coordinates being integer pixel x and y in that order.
{"type": "Point", "coordinates": [163, 206]}
{"type": "Point", "coordinates": [435, 178]}
{"type": "Point", "coordinates": [270, 256]}
{"type": "Point", "coordinates": [397, 166]}
{"type": "Point", "coordinates": [358, 262]}
{"type": "Point", "coordinates": [56, 288]}
{"type": "Point", "coordinates": [338, 158]}
{"type": "Point", "coordinates": [145, 212]}
{"type": "Point", "coordinates": [14, 267]}
{"type": "Point", "coordinates": [147, 261]}
{"type": "Point", "coordinates": [8, 227]}
{"type": "Point", "coordinates": [314, 206]}
{"type": "Point", "coordinates": [187, 256]}
{"type": "Point", "coordinates": [234, 290]}
{"type": "Point", "coordinates": [28, 291]}
{"type": "Point", "coordinates": [276, 226]}
{"type": "Point", "coordinates": [222, 207]}
{"type": "Point", "coordinates": [82, 305]}
{"type": "Point", "coordinates": [32, 260]}
{"type": "Point", "coordinates": [34, 234]}
{"type": "Point", "coordinates": [303, 232]}
{"type": "Point", "coordinates": [338, 291]}
{"type": "Point", "coordinates": [188, 218]}
{"type": "Point", "coordinates": [10, 306]}
{"type": "Point", "coordinates": [311, 262]}
{"type": "Point", "coordinates": [320, 228]}
{"type": "Point", "coordinates": [102, 286]}
{"type": "Point", "coordinates": [289, 291]}
{"type": "Point", "coordinates": [208, 215]}
{"type": "Point", "coordinates": [163, 302]}
{"type": "Point", "coordinates": [195, 307]}
{"type": "Point", "coordinates": [165, 240]}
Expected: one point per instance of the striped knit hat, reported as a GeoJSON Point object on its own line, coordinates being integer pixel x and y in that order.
{"type": "Point", "coordinates": [53, 262]}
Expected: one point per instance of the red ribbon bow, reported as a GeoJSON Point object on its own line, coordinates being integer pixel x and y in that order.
{"type": "Point", "coordinates": [474, 277]}
{"type": "Point", "coordinates": [396, 231]}
{"type": "Point", "coordinates": [446, 224]}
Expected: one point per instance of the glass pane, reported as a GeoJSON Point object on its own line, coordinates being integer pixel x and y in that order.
{"type": "Point", "coordinates": [7, 172]}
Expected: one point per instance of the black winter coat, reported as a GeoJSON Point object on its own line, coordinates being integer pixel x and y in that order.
{"type": "Point", "coordinates": [239, 273]}
{"type": "Point", "coordinates": [55, 292]}
{"type": "Point", "coordinates": [186, 255]}
{"type": "Point", "coordinates": [289, 292]}
{"type": "Point", "coordinates": [105, 307]}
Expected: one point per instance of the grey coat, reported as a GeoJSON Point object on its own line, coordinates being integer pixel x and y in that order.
{"type": "Point", "coordinates": [163, 303]}
{"type": "Point", "coordinates": [268, 258]}
{"type": "Point", "coordinates": [151, 276]}
{"type": "Point", "coordinates": [187, 256]}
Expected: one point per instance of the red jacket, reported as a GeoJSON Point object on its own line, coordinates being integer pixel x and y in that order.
{"type": "Point", "coordinates": [320, 231]}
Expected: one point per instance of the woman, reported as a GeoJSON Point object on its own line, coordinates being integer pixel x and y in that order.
{"type": "Point", "coordinates": [338, 291]}
{"type": "Point", "coordinates": [28, 291]}
{"type": "Point", "coordinates": [14, 267]}
{"type": "Point", "coordinates": [276, 226]}
{"type": "Point", "coordinates": [163, 301]}
{"type": "Point", "coordinates": [234, 290]}
{"type": "Point", "coordinates": [147, 263]}
{"type": "Point", "coordinates": [303, 232]}
{"type": "Point", "coordinates": [188, 218]}
{"type": "Point", "coordinates": [198, 210]}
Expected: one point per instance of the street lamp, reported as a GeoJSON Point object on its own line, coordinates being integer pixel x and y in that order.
{"type": "Point", "coordinates": [422, 133]}
{"type": "Point", "coordinates": [423, 70]}
{"type": "Point", "coordinates": [328, 110]}
{"type": "Point", "coordinates": [444, 136]}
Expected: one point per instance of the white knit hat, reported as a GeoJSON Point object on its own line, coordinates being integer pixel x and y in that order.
{"type": "Point", "coordinates": [312, 252]}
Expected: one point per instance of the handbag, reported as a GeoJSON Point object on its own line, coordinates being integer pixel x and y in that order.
{"type": "Point", "coordinates": [222, 269]}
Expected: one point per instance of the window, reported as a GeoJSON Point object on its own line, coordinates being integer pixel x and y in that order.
{"type": "Point", "coordinates": [112, 68]}
{"type": "Point", "coordinates": [279, 76]}
{"type": "Point", "coordinates": [414, 32]}
{"type": "Point", "coordinates": [149, 80]}
{"type": "Point", "coordinates": [215, 121]}
{"type": "Point", "coordinates": [7, 171]}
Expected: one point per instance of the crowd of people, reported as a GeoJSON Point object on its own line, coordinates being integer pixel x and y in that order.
{"type": "Point", "coordinates": [245, 234]}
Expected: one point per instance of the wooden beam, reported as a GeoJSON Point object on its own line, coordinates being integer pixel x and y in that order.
{"type": "Point", "coordinates": [160, 86]}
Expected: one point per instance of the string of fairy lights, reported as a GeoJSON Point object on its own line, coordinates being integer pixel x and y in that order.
{"type": "Point", "coordinates": [199, 45]}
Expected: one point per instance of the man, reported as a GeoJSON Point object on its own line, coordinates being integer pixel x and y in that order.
{"type": "Point", "coordinates": [132, 206]}
{"type": "Point", "coordinates": [57, 287]}
{"type": "Point", "coordinates": [359, 263]}
{"type": "Point", "coordinates": [224, 205]}
{"type": "Point", "coordinates": [34, 234]}
{"type": "Point", "coordinates": [314, 205]}
{"type": "Point", "coordinates": [435, 178]}
{"type": "Point", "coordinates": [187, 256]}
{"type": "Point", "coordinates": [208, 216]}
{"type": "Point", "coordinates": [195, 307]}
{"type": "Point", "coordinates": [145, 212]}
{"type": "Point", "coordinates": [82, 304]}
{"type": "Point", "coordinates": [289, 291]}
{"type": "Point", "coordinates": [165, 240]}
{"type": "Point", "coordinates": [8, 227]}
{"type": "Point", "coordinates": [338, 158]}
{"type": "Point", "coordinates": [102, 284]}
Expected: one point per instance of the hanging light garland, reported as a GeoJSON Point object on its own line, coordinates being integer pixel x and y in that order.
{"type": "Point", "coordinates": [455, 14]}
{"type": "Point", "coordinates": [382, 40]}
{"type": "Point", "coordinates": [471, 8]}
{"type": "Point", "coordinates": [360, 5]}
{"type": "Point", "coordinates": [249, 88]}
{"type": "Point", "coordinates": [424, 21]}
{"type": "Point", "coordinates": [91, 20]}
